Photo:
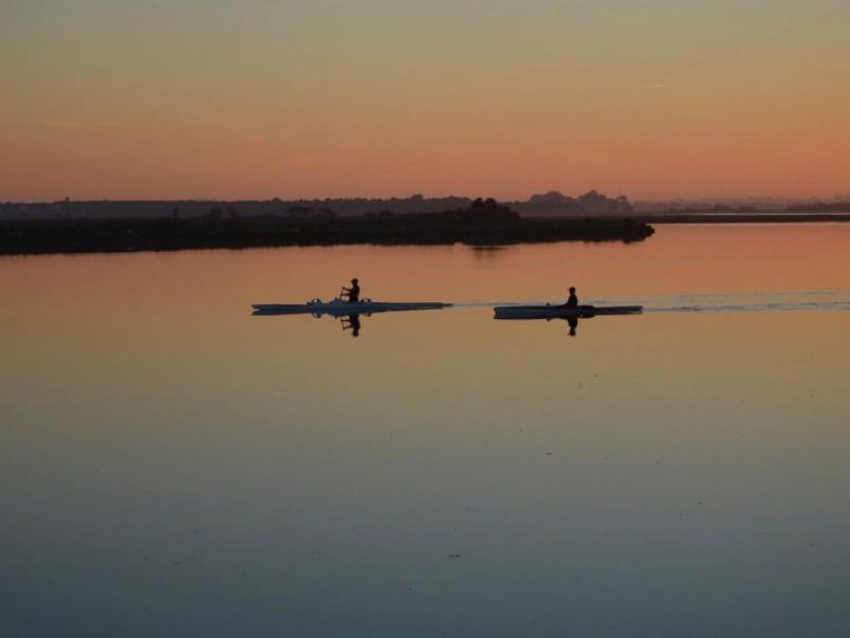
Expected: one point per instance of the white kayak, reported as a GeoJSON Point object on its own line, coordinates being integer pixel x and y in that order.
{"type": "Point", "coordinates": [340, 307]}
{"type": "Point", "coordinates": [554, 312]}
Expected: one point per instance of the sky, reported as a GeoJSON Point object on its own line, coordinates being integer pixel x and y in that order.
{"type": "Point", "coordinates": [164, 99]}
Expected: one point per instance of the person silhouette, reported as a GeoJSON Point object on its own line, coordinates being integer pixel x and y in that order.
{"type": "Point", "coordinates": [352, 293]}
{"type": "Point", "coordinates": [572, 300]}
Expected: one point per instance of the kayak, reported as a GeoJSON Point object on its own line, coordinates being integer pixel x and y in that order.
{"type": "Point", "coordinates": [341, 307]}
{"type": "Point", "coordinates": [554, 312]}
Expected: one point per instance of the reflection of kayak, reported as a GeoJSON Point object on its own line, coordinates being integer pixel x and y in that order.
{"type": "Point", "coordinates": [341, 308]}
{"type": "Point", "coordinates": [554, 312]}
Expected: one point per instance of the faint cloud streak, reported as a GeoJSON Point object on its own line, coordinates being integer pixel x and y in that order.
{"type": "Point", "coordinates": [77, 124]}
{"type": "Point", "coordinates": [63, 124]}
{"type": "Point", "coordinates": [314, 160]}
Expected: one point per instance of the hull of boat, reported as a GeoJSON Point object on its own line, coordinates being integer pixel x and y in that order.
{"type": "Point", "coordinates": [339, 308]}
{"type": "Point", "coordinates": [555, 312]}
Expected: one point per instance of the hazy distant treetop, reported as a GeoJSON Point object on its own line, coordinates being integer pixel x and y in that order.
{"type": "Point", "coordinates": [590, 202]}
{"type": "Point", "coordinates": [552, 198]}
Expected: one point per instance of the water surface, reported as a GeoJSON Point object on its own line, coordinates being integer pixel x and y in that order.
{"type": "Point", "coordinates": [171, 465]}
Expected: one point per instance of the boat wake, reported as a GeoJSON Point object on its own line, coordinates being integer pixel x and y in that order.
{"type": "Point", "coordinates": [762, 301]}
{"type": "Point", "coordinates": [758, 301]}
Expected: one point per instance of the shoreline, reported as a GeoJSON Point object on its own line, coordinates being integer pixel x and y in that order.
{"type": "Point", "coordinates": [740, 218]}
{"type": "Point", "coordinates": [68, 236]}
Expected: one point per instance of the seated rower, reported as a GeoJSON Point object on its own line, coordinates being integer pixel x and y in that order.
{"type": "Point", "coordinates": [352, 293]}
{"type": "Point", "coordinates": [572, 300]}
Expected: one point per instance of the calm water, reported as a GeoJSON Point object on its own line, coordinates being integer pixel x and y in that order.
{"type": "Point", "coordinates": [171, 465]}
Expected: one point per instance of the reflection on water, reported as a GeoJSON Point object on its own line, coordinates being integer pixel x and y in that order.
{"type": "Point", "coordinates": [571, 322]}
{"type": "Point", "coordinates": [171, 465]}
{"type": "Point", "coordinates": [487, 253]}
{"type": "Point", "coordinates": [352, 322]}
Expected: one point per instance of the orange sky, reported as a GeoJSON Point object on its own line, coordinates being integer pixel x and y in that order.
{"type": "Point", "coordinates": [651, 98]}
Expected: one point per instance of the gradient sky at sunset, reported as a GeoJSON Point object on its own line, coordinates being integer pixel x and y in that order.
{"type": "Point", "coordinates": [262, 98]}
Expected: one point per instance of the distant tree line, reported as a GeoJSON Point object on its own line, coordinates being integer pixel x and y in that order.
{"type": "Point", "coordinates": [551, 204]}
{"type": "Point", "coordinates": [592, 203]}
{"type": "Point", "coordinates": [548, 204]}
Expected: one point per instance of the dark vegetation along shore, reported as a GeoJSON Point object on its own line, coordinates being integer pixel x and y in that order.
{"type": "Point", "coordinates": [482, 223]}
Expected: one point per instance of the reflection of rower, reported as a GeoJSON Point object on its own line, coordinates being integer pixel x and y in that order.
{"type": "Point", "coordinates": [352, 322]}
{"type": "Point", "coordinates": [352, 293]}
{"type": "Point", "coordinates": [572, 302]}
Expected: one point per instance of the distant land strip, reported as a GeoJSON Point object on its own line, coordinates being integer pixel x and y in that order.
{"type": "Point", "coordinates": [738, 218]}
{"type": "Point", "coordinates": [482, 223]}
{"type": "Point", "coordinates": [551, 204]}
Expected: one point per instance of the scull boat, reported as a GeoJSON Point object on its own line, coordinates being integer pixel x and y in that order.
{"type": "Point", "coordinates": [555, 312]}
{"type": "Point", "coordinates": [341, 308]}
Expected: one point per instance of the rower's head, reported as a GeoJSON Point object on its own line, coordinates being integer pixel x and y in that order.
{"type": "Point", "coordinates": [354, 281]}
{"type": "Point", "coordinates": [572, 290]}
